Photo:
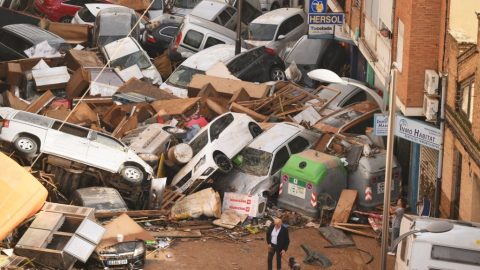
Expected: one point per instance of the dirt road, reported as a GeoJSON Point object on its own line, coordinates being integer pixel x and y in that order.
{"type": "Point", "coordinates": [220, 254]}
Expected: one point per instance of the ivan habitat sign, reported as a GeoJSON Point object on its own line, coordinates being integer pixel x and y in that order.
{"type": "Point", "coordinates": [408, 129]}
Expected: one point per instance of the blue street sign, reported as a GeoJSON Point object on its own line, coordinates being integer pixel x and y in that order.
{"type": "Point", "coordinates": [318, 6]}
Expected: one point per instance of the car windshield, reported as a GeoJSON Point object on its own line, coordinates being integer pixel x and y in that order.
{"type": "Point", "coordinates": [137, 58]}
{"type": "Point", "coordinates": [199, 142]}
{"type": "Point", "coordinates": [254, 161]}
{"type": "Point", "coordinates": [262, 32]}
{"type": "Point", "coordinates": [182, 76]}
{"type": "Point", "coordinates": [115, 25]}
{"type": "Point", "coordinates": [185, 3]}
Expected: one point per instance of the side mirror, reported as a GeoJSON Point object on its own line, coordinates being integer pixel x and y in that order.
{"type": "Point", "coordinates": [281, 37]}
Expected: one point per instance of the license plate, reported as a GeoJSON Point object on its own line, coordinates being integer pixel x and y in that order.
{"type": "Point", "coordinates": [381, 187]}
{"type": "Point", "coordinates": [296, 190]}
{"type": "Point", "coordinates": [117, 262]}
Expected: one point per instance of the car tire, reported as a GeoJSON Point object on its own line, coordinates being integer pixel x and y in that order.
{"type": "Point", "coordinates": [277, 74]}
{"type": "Point", "coordinates": [254, 129]}
{"type": "Point", "coordinates": [66, 19]}
{"type": "Point", "coordinates": [274, 6]}
{"type": "Point", "coordinates": [132, 174]}
{"type": "Point", "coordinates": [26, 145]}
{"type": "Point", "coordinates": [224, 164]}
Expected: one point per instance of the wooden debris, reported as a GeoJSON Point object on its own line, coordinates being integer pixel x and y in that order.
{"type": "Point", "coordinates": [169, 198]}
{"type": "Point", "coordinates": [178, 234]}
{"type": "Point", "coordinates": [348, 228]}
{"type": "Point", "coordinates": [41, 102]}
{"type": "Point", "coordinates": [133, 213]}
{"type": "Point", "coordinates": [235, 107]}
{"type": "Point", "coordinates": [344, 206]}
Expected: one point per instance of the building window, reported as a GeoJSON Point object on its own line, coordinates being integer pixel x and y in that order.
{"type": "Point", "coordinates": [466, 93]}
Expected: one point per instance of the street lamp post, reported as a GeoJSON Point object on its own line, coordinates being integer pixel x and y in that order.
{"type": "Point", "coordinates": [433, 227]}
{"type": "Point", "coordinates": [238, 42]}
{"type": "Point", "coordinates": [329, 76]}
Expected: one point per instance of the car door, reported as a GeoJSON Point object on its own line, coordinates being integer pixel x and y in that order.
{"type": "Point", "coordinates": [106, 152]}
{"type": "Point", "coordinates": [68, 141]}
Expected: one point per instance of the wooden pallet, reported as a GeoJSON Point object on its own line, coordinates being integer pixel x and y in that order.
{"type": "Point", "coordinates": [170, 197]}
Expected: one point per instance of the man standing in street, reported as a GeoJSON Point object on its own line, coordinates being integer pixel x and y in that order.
{"type": "Point", "coordinates": [278, 241]}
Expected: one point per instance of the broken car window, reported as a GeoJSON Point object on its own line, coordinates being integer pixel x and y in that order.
{"type": "Point", "coordinates": [70, 129]}
{"type": "Point", "coordinates": [193, 38]}
{"type": "Point", "coordinates": [182, 76]}
{"type": "Point", "coordinates": [254, 161]}
{"type": "Point", "coordinates": [297, 145]}
{"type": "Point", "coordinates": [199, 142]}
{"type": "Point", "coordinates": [137, 58]}
{"type": "Point", "coordinates": [220, 125]}
{"type": "Point", "coordinates": [263, 32]}
{"type": "Point", "coordinates": [280, 159]}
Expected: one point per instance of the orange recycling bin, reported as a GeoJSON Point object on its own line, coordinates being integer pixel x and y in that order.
{"type": "Point", "coordinates": [21, 195]}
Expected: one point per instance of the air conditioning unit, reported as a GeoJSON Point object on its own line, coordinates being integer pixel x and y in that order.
{"type": "Point", "coordinates": [431, 82]}
{"type": "Point", "coordinates": [430, 107]}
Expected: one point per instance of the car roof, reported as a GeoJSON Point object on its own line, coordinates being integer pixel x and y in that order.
{"type": "Point", "coordinates": [95, 8]}
{"type": "Point", "coordinates": [210, 26]}
{"type": "Point", "coordinates": [116, 9]}
{"type": "Point", "coordinates": [205, 59]}
{"type": "Point", "coordinates": [277, 16]}
{"type": "Point", "coordinates": [128, 46]}
{"type": "Point", "coordinates": [208, 9]}
{"type": "Point", "coordinates": [275, 136]}
{"type": "Point", "coordinates": [32, 33]}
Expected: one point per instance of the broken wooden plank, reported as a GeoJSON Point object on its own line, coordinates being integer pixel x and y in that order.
{"type": "Point", "coordinates": [13, 101]}
{"type": "Point", "coordinates": [135, 85]}
{"type": "Point", "coordinates": [133, 213]}
{"type": "Point", "coordinates": [240, 95]}
{"type": "Point", "coordinates": [174, 106]}
{"type": "Point", "coordinates": [235, 107]}
{"type": "Point", "coordinates": [344, 206]}
{"type": "Point", "coordinates": [355, 231]}
{"type": "Point", "coordinates": [178, 234]}
{"type": "Point", "coordinates": [41, 102]}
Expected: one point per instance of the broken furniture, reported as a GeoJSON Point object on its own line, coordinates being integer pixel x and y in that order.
{"type": "Point", "coordinates": [60, 235]}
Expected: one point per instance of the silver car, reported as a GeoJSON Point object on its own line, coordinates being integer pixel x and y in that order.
{"type": "Point", "coordinates": [31, 134]}
{"type": "Point", "coordinates": [258, 165]}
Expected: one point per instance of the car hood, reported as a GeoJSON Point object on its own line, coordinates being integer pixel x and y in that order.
{"type": "Point", "coordinates": [239, 182]}
{"type": "Point", "coordinates": [257, 43]}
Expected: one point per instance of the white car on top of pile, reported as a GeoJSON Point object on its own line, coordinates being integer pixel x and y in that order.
{"type": "Point", "coordinates": [32, 134]}
{"type": "Point", "coordinates": [213, 148]}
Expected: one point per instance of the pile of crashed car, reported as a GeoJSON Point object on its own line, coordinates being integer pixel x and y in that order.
{"type": "Point", "coordinates": [115, 109]}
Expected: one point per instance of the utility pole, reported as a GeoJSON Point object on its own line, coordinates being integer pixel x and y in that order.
{"type": "Point", "coordinates": [388, 167]}
{"type": "Point", "coordinates": [238, 43]}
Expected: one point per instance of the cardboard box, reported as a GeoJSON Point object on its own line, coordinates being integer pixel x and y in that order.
{"type": "Point", "coordinates": [14, 73]}
{"type": "Point", "coordinates": [75, 59]}
{"type": "Point", "coordinates": [78, 83]}
{"type": "Point", "coordinates": [253, 206]}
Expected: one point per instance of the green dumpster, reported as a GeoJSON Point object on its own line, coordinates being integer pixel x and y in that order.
{"type": "Point", "coordinates": [307, 176]}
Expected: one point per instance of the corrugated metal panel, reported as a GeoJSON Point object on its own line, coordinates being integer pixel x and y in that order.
{"type": "Point", "coordinates": [428, 170]}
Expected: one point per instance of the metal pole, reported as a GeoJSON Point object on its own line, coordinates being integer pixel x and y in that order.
{"type": "Point", "coordinates": [238, 43]}
{"type": "Point", "coordinates": [438, 183]}
{"type": "Point", "coordinates": [388, 169]}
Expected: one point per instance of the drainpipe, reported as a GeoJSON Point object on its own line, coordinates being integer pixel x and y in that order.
{"type": "Point", "coordinates": [438, 183]}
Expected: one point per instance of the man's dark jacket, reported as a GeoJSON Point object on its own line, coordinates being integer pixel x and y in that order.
{"type": "Point", "coordinates": [282, 239]}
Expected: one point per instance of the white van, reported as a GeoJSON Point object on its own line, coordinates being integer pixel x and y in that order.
{"type": "Point", "coordinates": [458, 248]}
{"type": "Point", "coordinates": [196, 34]}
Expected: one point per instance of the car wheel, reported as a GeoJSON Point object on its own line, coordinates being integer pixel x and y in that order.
{"type": "Point", "coordinates": [223, 162]}
{"type": "Point", "coordinates": [132, 173]}
{"type": "Point", "coordinates": [26, 145]}
{"type": "Point", "coordinates": [255, 129]}
{"type": "Point", "coordinates": [66, 19]}
{"type": "Point", "coordinates": [274, 6]}
{"type": "Point", "coordinates": [277, 74]}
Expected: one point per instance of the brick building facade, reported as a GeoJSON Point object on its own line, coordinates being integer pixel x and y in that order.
{"type": "Point", "coordinates": [461, 171]}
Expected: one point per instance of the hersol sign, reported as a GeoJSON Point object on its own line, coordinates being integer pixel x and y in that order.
{"type": "Point", "coordinates": [418, 132]}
